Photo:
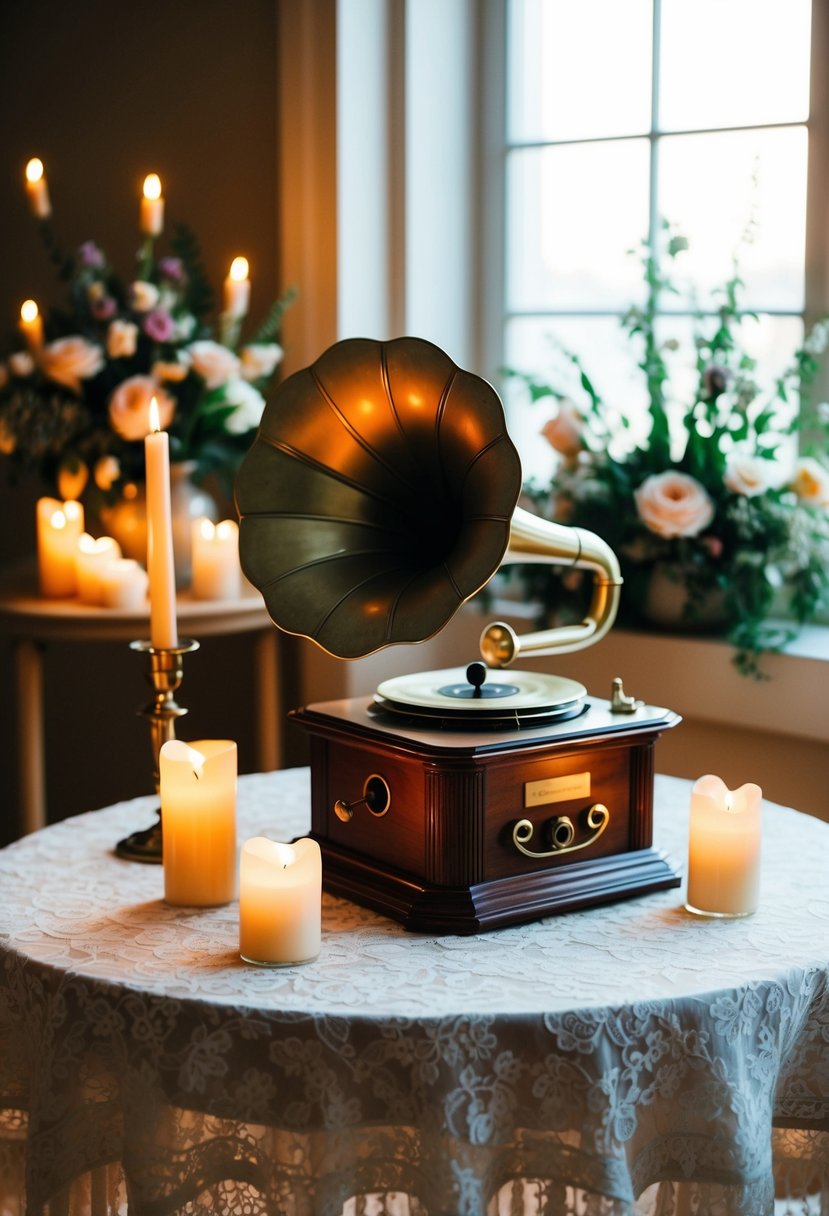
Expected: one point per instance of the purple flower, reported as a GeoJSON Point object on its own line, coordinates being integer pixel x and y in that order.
{"type": "Point", "coordinates": [171, 269]}
{"type": "Point", "coordinates": [90, 256]}
{"type": "Point", "coordinates": [158, 325]}
{"type": "Point", "coordinates": [103, 308]}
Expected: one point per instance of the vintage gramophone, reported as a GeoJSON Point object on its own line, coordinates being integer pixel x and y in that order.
{"type": "Point", "coordinates": [379, 495]}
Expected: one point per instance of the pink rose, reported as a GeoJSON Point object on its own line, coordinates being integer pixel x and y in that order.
{"type": "Point", "coordinates": [213, 362]}
{"type": "Point", "coordinates": [68, 361]}
{"type": "Point", "coordinates": [564, 431]}
{"type": "Point", "coordinates": [674, 504]}
{"type": "Point", "coordinates": [129, 407]}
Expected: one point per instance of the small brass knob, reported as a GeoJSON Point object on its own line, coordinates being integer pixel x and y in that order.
{"type": "Point", "coordinates": [345, 810]}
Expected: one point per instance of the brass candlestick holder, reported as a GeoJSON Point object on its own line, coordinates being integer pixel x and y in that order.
{"type": "Point", "coordinates": [166, 674]}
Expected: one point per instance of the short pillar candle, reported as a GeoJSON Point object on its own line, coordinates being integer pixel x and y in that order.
{"type": "Point", "coordinates": [92, 556]}
{"type": "Point", "coordinates": [217, 574]}
{"type": "Point", "coordinates": [724, 848]}
{"type": "Point", "coordinates": [280, 894]}
{"type": "Point", "coordinates": [198, 821]}
{"type": "Point", "coordinates": [124, 585]}
{"type": "Point", "coordinates": [59, 528]}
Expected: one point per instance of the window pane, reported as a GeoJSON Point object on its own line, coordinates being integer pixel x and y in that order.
{"type": "Point", "coordinates": [728, 63]}
{"type": "Point", "coordinates": [578, 69]}
{"type": "Point", "coordinates": [572, 214]}
{"type": "Point", "coordinates": [713, 186]}
{"type": "Point", "coordinates": [538, 346]}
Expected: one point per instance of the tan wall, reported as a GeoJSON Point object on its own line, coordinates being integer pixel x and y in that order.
{"type": "Point", "coordinates": [105, 92]}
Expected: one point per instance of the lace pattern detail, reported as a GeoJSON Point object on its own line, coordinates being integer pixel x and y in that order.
{"type": "Point", "coordinates": [612, 1062]}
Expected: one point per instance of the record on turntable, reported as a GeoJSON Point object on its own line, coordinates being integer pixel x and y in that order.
{"type": "Point", "coordinates": [466, 696]}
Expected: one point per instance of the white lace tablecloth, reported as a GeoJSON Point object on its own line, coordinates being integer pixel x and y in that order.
{"type": "Point", "coordinates": [624, 1059]}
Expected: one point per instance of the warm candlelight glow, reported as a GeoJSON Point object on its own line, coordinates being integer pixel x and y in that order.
{"type": "Point", "coordinates": [31, 325]}
{"type": "Point", "coordinates": [37, 190]}
{"type": "Point", "coordinates": [237, 289]}
{"type": "Point", "coordinates": [217, 574]}
{"type": "Point", "coordinates": [155, 421]}
{"type": "Point", "coordinates": [59, 526]}
{"type": "Point", "coordinates": [91, 559]}
{"type": "Point", "coordinates": [152, 206]}
{"type": "Point", "coordinates": [152, 186]}
{"type": "Point", "coordinates": [58, 520]}
{"type": "Point", "coordinates": [198, 807]}
{"type": "Point", "coordinates": [280, 889]}
{"type": "Point", "coordinates": [724, 848]}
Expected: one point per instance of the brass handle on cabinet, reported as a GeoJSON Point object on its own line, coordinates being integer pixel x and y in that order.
{"type": "Point", "coordinates": [562, 832]}
{"type": "Point", "coordinates": [376, 796]}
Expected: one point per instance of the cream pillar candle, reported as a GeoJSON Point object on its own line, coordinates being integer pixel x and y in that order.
{"type": "Point", "coordinates": [31, 325]}
{"type": "Point", "coordinates": [724, 848]}
{"type": "Point", "coordinates": [280, 893]}
{"type": "Point", "coordinates": [237, 289]}
{"type": "Point", "coordinates": [198, 818]}
{"type": "Point", "coordinates": [151, 221]}
{"type": "Point", "coordinates": [217, 574]}
{"type": "Point", "coordinates": [124, 585]}
{"type": "Point", "coordinates": [59, 526]}
{"type": "Point", "coordinates": [160, 565]}
{"type": "Point", "coordinates": [91, 557]}
{"type": "Point", "coordinates": [37, 189]}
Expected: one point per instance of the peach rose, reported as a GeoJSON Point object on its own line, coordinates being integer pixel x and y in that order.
{"type": "Point", "coordinates": [811, 482]}
{"type": "Point", "coordinates": [260, 359]}
{"type": "Point", "coordinates": [122, 337]}
{"type": "Point", "coordinates": [564, 430]}
{"type": "Point", "coordinates": [129, 407]}
{"type": "Point", "coordinates": [674, 504]}
{"type": "Point", "coordinates": [750, 475]}
{"type": "Point", "coordinates": [213, 362]}
{"type": "Point", "coordinates": [70, 360]}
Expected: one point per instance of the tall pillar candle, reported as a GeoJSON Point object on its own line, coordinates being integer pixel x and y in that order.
{"type": "Point", "coordinates": [280, 893]}
{"type": "Point", "coordinates": [91, 557]}
{"type": "Point", "coordinates": [59, 528]}
{"type": "Point", "coordinates": [160, 564]}
{"type": "Point", "coordinates": [198, 817]}
{"type": "Point", "coordinates": [217, 574]}
{"type": "Point", "coordinates": [37, 189]}
{"type": "Point", "coordinates": [724, 848]}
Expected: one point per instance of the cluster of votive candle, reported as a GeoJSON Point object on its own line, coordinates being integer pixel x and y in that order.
{"type": "Point", "coordinates": [71, 562]}
{"type": "Point", "coordinates": [279, 885]}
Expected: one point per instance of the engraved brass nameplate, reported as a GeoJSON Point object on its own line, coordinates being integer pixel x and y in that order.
{"type": "Point", "coordinates": [557, 789]}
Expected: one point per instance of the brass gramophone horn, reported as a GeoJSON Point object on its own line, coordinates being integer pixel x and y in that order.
{"type": "Point", "coordinates": [380, 494]}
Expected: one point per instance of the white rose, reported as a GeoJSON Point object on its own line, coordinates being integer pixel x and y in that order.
{"type": "Point", "coordinates": [249, 404]}
{"type": "Point", "coordinates": [107, 471]}
{"type": "Point", "coordinates": [21, 363]}
{"type": "Point", "coordinates": [260, 359]}
{"type": "Point", "coordinates": [173, 370]}
{"type": "Point", "coordinates": [564, 431]}
{"type": "Point", "coordinates": [811, 482]}
{"type": "Point", "coordinates": [122, 337]}
{"type": "Point", "coordinates": [183, 327]}
{"type": "Point", "coordinates": [213, 362]}
{"type": "Point", "coordinates": [674, 504]}
{"type": "Point", "coordinates": [70, 360]}
{"type": "Point", "coordinates": [143, 296]}
{"type": "Point", "coordinates": [751, 475]}
{"type": "Point", "coordinates": [129, 407]}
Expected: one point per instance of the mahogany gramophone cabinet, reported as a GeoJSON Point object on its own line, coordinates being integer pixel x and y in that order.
{"type": "Point", "coordinates": [379, 496]}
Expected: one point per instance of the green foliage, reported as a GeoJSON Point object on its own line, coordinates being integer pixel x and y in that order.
{"type": "Point", "coordinates": [716, 493]}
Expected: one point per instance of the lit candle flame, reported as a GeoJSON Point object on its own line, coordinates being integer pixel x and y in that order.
{"type": "Point", "coordinates": [155, 421]}
{"type": "Point", "coordinates": [207, 529]}
{"type": "Point", "coordinates": [152, 186]}
{"type": "Point", "coordinates": [28, 311]}
{"type": "Point", "coordinates": [34, 170]}
{"type": "Point", "coordinates": [239, 269]}
{"type": "Point", "coordinates": [58, 520]}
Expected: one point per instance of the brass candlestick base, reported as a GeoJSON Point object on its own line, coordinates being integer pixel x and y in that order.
{"type": "Point", "coordinates": [166, 674]}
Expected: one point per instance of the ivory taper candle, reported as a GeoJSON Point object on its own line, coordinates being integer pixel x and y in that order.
{"type": "Point", "coordinates": [160, 563]}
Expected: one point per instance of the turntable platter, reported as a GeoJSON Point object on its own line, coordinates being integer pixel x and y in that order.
{"type": "Point", "coordinates": [459, 695]}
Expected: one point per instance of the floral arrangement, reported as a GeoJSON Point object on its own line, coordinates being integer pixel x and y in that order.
{"type": "Point", "coordinates": [717, 497]}
{"type": "Point", "coordinates": [75, 393]}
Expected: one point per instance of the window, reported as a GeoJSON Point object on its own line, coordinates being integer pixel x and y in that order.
{"type": "Point", "coordinates": [620, 114]}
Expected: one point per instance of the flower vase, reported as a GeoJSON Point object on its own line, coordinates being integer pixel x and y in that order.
{"type": "Point", "coordinates": [667, 604]}
{"type": "Point", "coordinates": [126, 520]}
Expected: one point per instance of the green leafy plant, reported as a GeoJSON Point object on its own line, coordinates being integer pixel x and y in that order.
{"type": "Point", "coordinates": [727, 495]}
{"type": "Point", "coordinates": [74, 399]}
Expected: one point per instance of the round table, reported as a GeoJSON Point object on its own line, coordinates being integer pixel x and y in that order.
{"type": "Point", "coordinates": [32, 621]}
{"type": "Point", "coordinates": [624, 1059]}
